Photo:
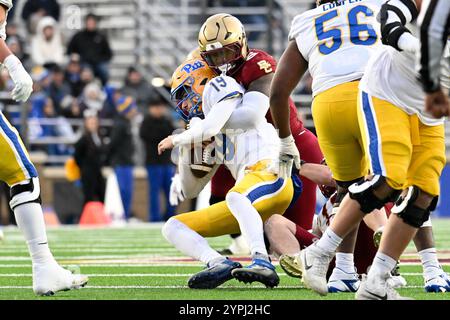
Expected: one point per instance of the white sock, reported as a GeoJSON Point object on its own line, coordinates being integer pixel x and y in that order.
{"type": "Point", "coordinates": [189, 242]}
{"type": "Point", "coordinates": [329, 241]}
{"type": "Point", "coordinates": [344, 261]}
{"type": "Point", "coordinates": [249, 220]}
{"type": "Point", "coordinates": [382, 266]}
{"type": "Point", "coordinates": [30, 219]}
{"type": "Point", "coordinates": [430, 262]}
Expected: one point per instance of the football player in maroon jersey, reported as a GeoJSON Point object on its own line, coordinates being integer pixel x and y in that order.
{"type": "Point", "coordinates": [223, 45]}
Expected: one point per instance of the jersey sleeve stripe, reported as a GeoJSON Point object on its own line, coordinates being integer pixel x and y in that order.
{"type": "Point", "coordinates": [231, 95]}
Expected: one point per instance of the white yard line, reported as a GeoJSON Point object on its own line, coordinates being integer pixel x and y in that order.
{"type": "Point", "coordinates": [181, 287]}
{"type": "Point", "coordinates": [87, 250]}
{"type": "Point", "coordinates": [113, 265]}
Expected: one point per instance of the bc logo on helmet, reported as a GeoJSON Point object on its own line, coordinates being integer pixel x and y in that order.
{"type": "Point", "coordinates": [194, 66]}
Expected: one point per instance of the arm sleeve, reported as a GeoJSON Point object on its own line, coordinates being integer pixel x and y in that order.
{"type": "Point", "coordinates": [191, 185]}
{"type": "Point", "coordinates": [252, 111]}
{"type": "Point", "coordinates": [213, 123]}
{"type": "Point", "coordinates": [222, 106]}
{"type": "Point", "coordinates": [434, 24]}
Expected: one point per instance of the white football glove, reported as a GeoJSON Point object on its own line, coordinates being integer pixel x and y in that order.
{"type": "Point", "coordinates": [288, 155]}
{"type": "Point", "coordinates": [22, 80]}
{"type": "Point", "coordinates": [176, 193]}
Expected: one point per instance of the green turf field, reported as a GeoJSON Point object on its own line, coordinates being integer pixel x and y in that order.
{"type": "Point", "coordinates": [135, 262]}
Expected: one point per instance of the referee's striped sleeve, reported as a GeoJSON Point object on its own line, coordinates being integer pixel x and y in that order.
{"type": "Point", "coordinates": [434, 21]}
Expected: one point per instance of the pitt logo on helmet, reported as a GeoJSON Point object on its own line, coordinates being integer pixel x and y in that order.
{"type": "Point", "coordinates": [194, 66]}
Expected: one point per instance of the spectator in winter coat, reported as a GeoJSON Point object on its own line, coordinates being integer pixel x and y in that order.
{"type": "Point", "coordinates": [89, 156]}
{"type": "Point", "coordinates": [138, 88]}
{"type": "Point", "coordinates": [93, 48]}
{"type": "Point", "coordinates": [46, 45]}
{"type": "Point", "coordinates": [156, 126]}
{"type": "Point", "coordinates": [121, 150]}
{"type": "Point", "coordinates": [35, 10]}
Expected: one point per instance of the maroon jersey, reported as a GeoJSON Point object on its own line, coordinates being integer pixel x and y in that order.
{"type": "Point", "coordinates": [258, 64]}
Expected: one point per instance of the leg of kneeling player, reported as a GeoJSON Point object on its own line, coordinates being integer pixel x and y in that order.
{"type": "Point", "coordinates": [20, 174]}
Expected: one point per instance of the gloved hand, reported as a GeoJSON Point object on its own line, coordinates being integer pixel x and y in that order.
{"type": "Point", "coordinates": [22, 80]}
{"type": "Point", "coordinates": [176, 193]}
{"type": "Point", "coordinates": [288, 155]}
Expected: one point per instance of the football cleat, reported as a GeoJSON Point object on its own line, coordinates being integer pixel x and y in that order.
{"type": "Point", "coordinates": [439, 283]}
{"type": "Point", "coordinates": [289, 264]}
{"type": "Point", "coordinates": [2, 235]}
{"type": "Point", "coordinates": [214, 276]}
{"type": "Point", "coordinates": [396, 282]}
{"type": "Point", "coordinates": [377, 290]}
{"type": "Point", "coordinates": [50, 278]}
{"type": "Point", "coordinates": [341, 281]}
{"type": "Point", "coordinates": [260, 270]}
{"type": "Point", "coordinates": [314, 263]}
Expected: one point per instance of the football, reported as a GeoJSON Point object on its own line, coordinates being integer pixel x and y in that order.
{"type": "Point", "coordinates": [202, 158]}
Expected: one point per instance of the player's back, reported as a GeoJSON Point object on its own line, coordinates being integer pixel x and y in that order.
{"type": "Point", "coordinates": [337, 39]}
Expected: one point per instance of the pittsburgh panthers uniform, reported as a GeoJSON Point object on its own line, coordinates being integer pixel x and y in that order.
{"type": "Point", "coordinates": [247, 154]}
{"type": "Point", "coordinates": [405, 143]}
{"type": "Point", "coordinates": [337, 39]}
{"type": "Point", "coordinates": [15, 164]}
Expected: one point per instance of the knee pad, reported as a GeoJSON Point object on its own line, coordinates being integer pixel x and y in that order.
{"type": "Point", "coordinates": [344, 185]}
{"type": "Point", "coordinates": [405, 208]}
{"type": "Point", "coordinates": [363, 192]}
{"type": "Point", "coordinates": [25, 192]}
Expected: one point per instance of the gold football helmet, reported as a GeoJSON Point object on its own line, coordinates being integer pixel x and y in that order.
{"type": "Point", "coordinates": [188, 83]}
{"type": "Point", "coordinates": [194, 54]}
{"type": "Point", "coordinates": [222, 42]}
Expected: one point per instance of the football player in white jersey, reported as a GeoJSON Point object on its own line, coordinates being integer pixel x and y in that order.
{"type": "Point", "coordinates": [249, 153]}
{"type": "Point", "coordinates": [334, 41]}
{"type": "Point", "coordinates": [19, 173]}
{"type": "Point", "coordinates": [406, 151]}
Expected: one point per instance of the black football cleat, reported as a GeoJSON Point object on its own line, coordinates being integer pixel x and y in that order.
{"type": "Point", "coordinates": [214, 276]}
{"type": "Point", "coordinates": [261, 271]}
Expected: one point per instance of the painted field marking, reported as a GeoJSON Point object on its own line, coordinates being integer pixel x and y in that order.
{"type": "Point", "coordinates": [183, 287]}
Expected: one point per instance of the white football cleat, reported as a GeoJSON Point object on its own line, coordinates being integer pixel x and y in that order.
{"type": "Point", "coordinates": [438, 283]}
{"type": "Point", "coordinates": [314, 263]}
{"type": "Point", "coordinates": [396, 282]}
{"type": "Point", "coordinates": [2, 235]}
{"type": "Point", "coordinates": [341, 281]}
{"type": "Point", "coordinates": [50, 278]}
{"type": "Point", "coordinates": [377, 289]}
